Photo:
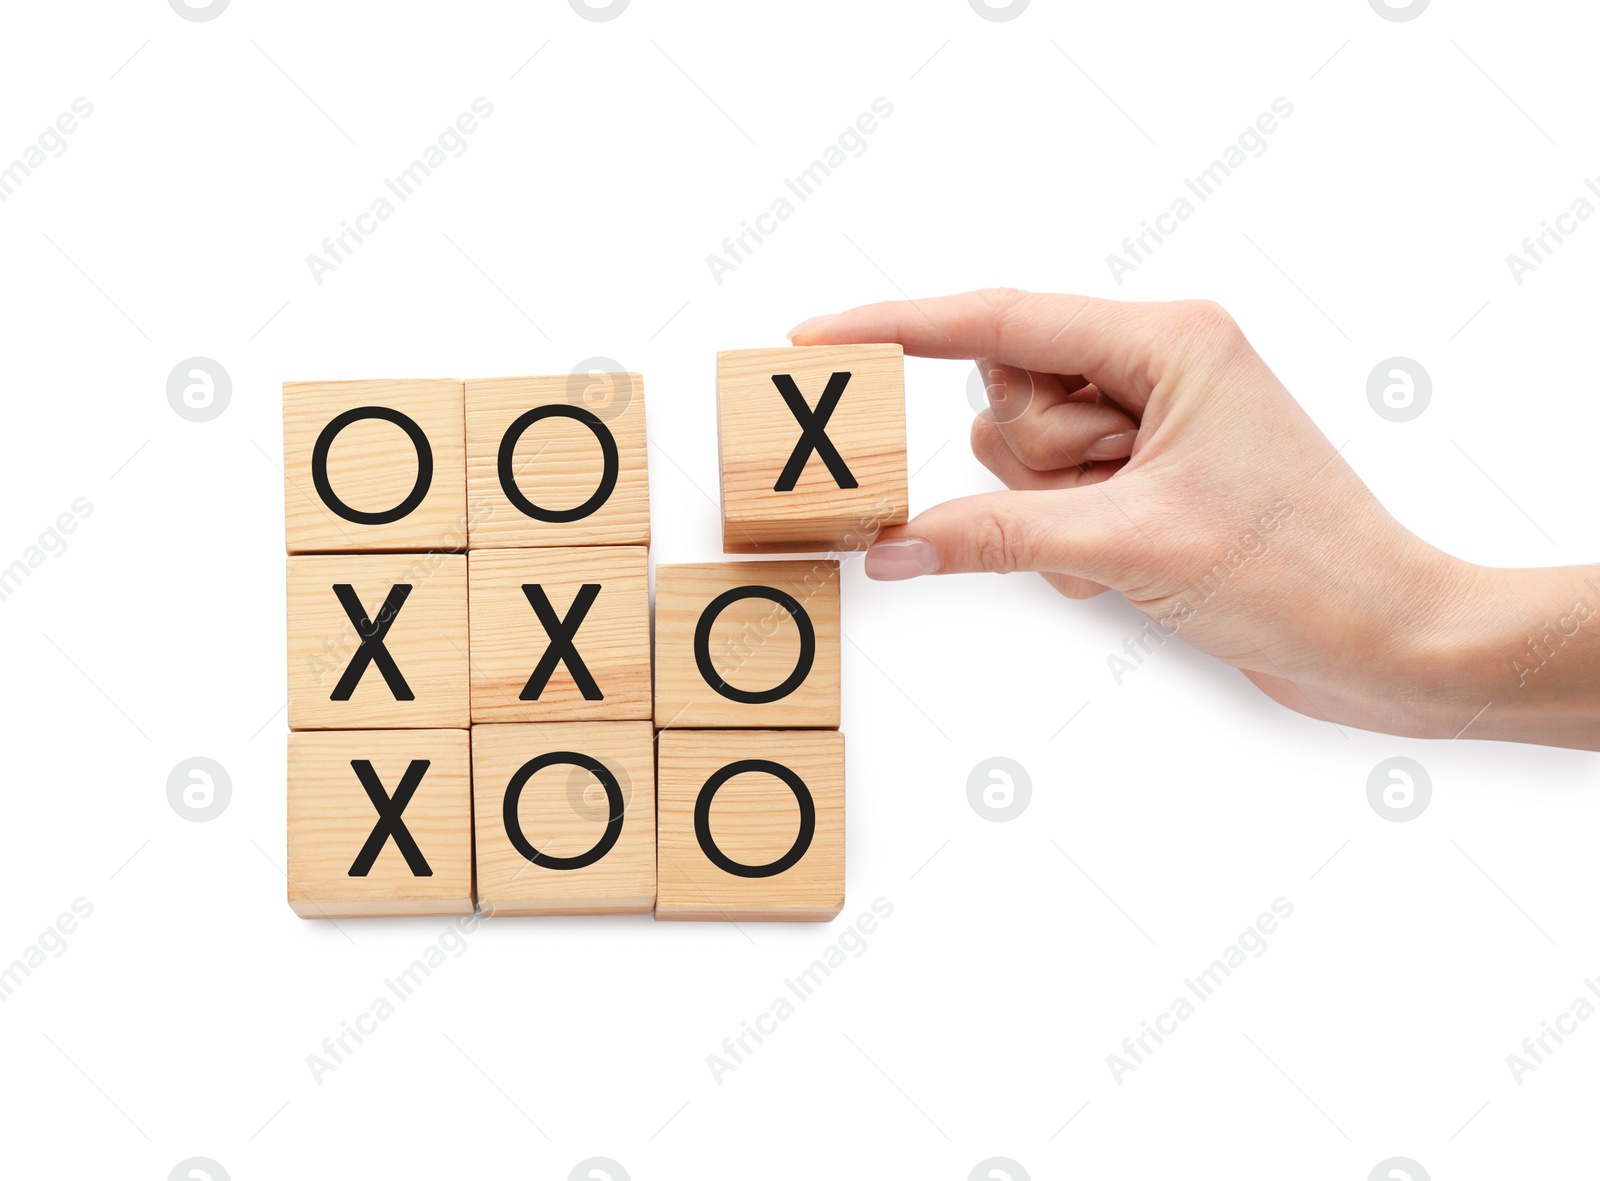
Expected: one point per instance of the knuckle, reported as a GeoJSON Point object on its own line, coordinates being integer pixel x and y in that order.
{"type": "Point", "coordinates": [999, 543]}
{"type": "Point", "coordinates": [1204, 321]}
{"type": "Point", "coordinates": [987, 441]}
{"type": "Point", "coordinates": [1001, 299]}
{"type": "Point", "coordinates": [1037, 450]}
{"type": "Point", "coordinates": [1004, 307]}
{"type": "Point", "coordinates": [1206, 313]}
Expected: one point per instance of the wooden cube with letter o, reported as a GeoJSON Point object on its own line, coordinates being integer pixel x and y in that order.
{"type": "Point", "coordinates": [747, 644]}
{"type": "Point", "coordinates": [565, 818]}
{"type": "Point", "coordinates": [373, 466]}
{"type": "Point", "coordinates": [751, 825]}
{"type": "Point", "coordinates": [557, 461]}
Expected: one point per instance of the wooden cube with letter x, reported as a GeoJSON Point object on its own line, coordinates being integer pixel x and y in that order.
{"type": "Point", "coordinates": [560, 634]}
{"type": "Point", "coordinates": [751, 825]}
{"type": "Point", "coordinates": [557, 461]}
{"type": "Point", "coordinates": [812, 446]}
{"type": "Point", "coordinates": [566, 817]}
{"type": "Point", "coordinates": [380, 823]}
{"type": "Point", "coordinates": [374, 466]}
{"type": "Point", "coordinates": [747, 644]}
{"type": "Point", "coordinates": [377, 641]}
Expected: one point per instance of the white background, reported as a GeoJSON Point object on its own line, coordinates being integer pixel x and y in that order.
{"type": "Point", "coordinates": [1171, 809]}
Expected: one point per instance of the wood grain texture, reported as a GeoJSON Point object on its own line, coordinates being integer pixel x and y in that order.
{"type": "Point", "coordinates": [754, 821]}
{"type": "Point", "coordinates": [754, 644]}
{"type": "Point", "coordinates": [427, 641]}
{"type": "Point", "coordinates": [563, 812]}
{"type": "Point", "coordinates": [757, 433]}
{"type": "Point", "coordinates": [331, 818]}
{"type": "Point", "coordinates": [372, 466]}
{"type": "Point", "coordinates": [508, 640]}
{"type": "Point", "coordinates": [557, 461]}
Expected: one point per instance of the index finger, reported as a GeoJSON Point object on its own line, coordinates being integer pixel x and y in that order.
{"type": "Point", "coordinates": [1115, 345]}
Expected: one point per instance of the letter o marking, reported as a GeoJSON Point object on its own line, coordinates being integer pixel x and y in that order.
{"type": "Point", "coordinates": [319, 464]}
{"type": "Point", "coordinates": [558, 758]}
{"type": "Point", "coordinates": [611, 463]}
{"type": "Point", "coordinates": [802, 666]}
{"type": "Point", "coordinates": [802, 840]}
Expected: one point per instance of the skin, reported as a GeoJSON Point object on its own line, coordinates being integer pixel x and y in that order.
{"type": "Point", "coordinates": [1149, 450]}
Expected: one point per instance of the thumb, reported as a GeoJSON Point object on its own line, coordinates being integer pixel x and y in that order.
{"type": "Point", "coordinates": [1067, 531]}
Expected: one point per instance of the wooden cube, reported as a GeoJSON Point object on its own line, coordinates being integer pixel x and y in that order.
{"type": "Point", "coordinates": [747, 644]}
{"type": "Point", "coordinates": [557, 461]}
{"type": "Point", "coordinates": [560, 634]}
{"type": "Point", "coordinates": [377, 641]}
{"type": "Point", "coordinates": [812, 445]}
{"type": "Point", "coordinates": [565, 818]}
{"type": "Point", "coordinates": [380, 823]}
{"type": "Point", "coordinates": [374, 466]}
{"type": "Point", "coordinates": [751, 825]}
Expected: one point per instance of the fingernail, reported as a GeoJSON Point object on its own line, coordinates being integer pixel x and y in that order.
{"type": "Point", "coordinates": [901, 558]}
{"type": "Point", "coordinates": [1117, 446]}
{"type": "Point", "coordinates": [807, 325]}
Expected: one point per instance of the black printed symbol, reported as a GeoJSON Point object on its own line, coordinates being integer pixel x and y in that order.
{"type": "Point", "coordinates": [372, 650]}
{"type": "Point", "coordinates": [319, 465]}
{"type": "Point", "coordinates": [611, 464]}
{"type": "Point", "coordinates": [389, 822]}
{"type": "Point", "coordinates": [802, 623]}
{"type": "Point", "coordinates": [557, 758]}
{"type": "Point", "coordinates": [561, 649]}
{"type": "Point", "coordinates": [813, 432]}
{"type": "Point", "coordinates": [802, 840]}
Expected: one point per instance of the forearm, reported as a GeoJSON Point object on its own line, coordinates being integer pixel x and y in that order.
{"type": "Point", "coordinates": [1522, 647]}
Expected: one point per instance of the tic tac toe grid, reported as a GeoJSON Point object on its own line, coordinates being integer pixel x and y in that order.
{"type": "Point", "coordinates": [485, 712]}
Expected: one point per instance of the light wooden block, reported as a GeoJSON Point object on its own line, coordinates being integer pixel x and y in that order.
{"type": "Point", "coordinates": [425, 642]}
{"type": "Point", "coordinates": [771, 504]}
{"type": "Point", "coordinates": [747, 644]}
{"type": "Point", "coordinates": [732, 808]}
{"type": "Point", "coordinates": [509, 641]}
{"type": "Point", "coordinates": [583, 840]}
{"type": "Point", "coordinates": [557, 461]}
{"type": "Point", "coordinates": [374, 466]}
{"type": "Point", "coordinates": [334, 869]}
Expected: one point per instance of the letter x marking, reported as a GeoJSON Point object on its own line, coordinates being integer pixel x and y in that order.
{"type": "Point", "coordinates": [813, 435]}
{"type": "Point", "coordinates": [372, 650]}
{"type": "Point", "coordinates": [389, 822]}
{"type": "Point", "coordinates": [561, 649]}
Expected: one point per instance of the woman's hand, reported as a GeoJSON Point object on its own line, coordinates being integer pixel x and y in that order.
{"type": "Point", "coordinates": [1149, 449]}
